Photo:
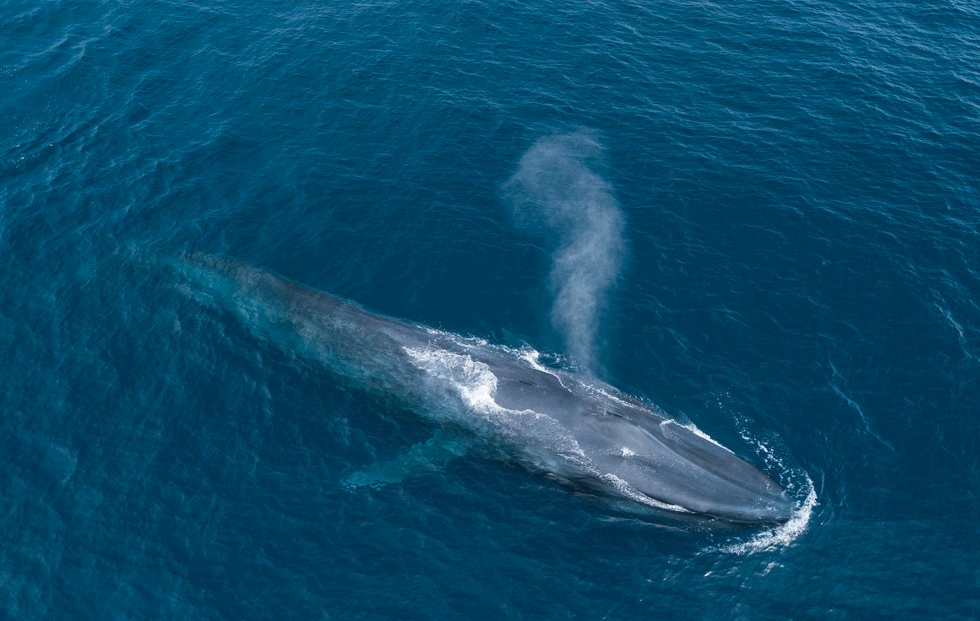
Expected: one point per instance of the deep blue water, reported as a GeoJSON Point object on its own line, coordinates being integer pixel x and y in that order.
{"type": "Point", "coordinates": [792, 263]}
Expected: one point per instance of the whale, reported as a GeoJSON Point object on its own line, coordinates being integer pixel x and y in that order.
{"type": "Point", "coordinates": [568, 426]}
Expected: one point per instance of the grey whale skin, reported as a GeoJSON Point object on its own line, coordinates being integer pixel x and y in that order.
{"type": "Point", "coordinates": [571, 427]}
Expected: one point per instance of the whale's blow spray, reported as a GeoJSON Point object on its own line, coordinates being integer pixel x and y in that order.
{"type": "Point", "coordinates": [557, 190]}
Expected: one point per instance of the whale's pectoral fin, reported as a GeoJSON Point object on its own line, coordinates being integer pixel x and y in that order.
{"type": "Point", "coordinates": [423, 458]}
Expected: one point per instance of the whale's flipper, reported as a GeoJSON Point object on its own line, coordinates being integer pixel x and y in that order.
{"type": "Point", "coordinates": [423, 458]}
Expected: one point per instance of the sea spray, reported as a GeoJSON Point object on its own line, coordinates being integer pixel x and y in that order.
{"type": "Point", "coordinates": [556, 190]}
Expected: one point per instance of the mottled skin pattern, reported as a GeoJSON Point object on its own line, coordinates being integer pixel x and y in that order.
{"type": "Point", "coordinates": [569, 426]}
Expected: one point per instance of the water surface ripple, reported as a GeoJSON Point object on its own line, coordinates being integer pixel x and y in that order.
{"type": "Point", "coordinates": [798, 202]}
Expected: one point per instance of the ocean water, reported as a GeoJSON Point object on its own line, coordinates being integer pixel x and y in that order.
{"type": "Point", "coordinates": [763, 217]}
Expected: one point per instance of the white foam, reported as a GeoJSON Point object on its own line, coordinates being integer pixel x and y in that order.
{"type": "Point", "coordinates": [472, 379]}
{"type": "Point", "coordinates": [549, 445]}
{"type": "Point", "coordinates": [782, 535]}
{"type": "Point", "coordinates": [694, 429]}
{"type": "Point", "coordinates": [532, 356]}
{"type": "Point", "coordinates": [628, 491]}
{"type": "Point", "coordinates": [786, 533]}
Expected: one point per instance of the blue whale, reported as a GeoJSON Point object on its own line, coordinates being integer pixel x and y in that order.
{"type": "Point", "coordinates": [568, 426]}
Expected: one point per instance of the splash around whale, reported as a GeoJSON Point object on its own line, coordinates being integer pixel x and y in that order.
{"type": "Point", "coordinates": [567, 426]}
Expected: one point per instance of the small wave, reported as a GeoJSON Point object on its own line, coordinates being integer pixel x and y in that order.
{"type": "Point", "coordinates": [782, 535]}
{"type": "Point", "coordinates": [697, 431]}
{"type": "Point", "coordinates": [786, 533]}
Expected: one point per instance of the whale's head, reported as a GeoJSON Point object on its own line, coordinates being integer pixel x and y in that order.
{"type": "Point", "coordinates": [631, 450]}
{"type": "Point", "coordinates": [674, 465]}
{"type": "Point", "coordinates": [646, 456]}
